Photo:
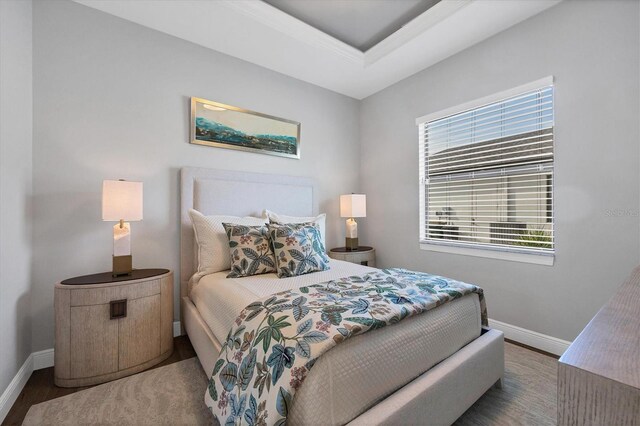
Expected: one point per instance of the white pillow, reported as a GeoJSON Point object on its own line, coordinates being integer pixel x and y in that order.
{"type": "Point", "coordinates": [213, 244]}
{"type": "Point", "coordinates": [283, 219]}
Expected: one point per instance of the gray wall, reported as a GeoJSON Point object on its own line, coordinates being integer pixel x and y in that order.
{"type": "Point", "coordinates": [15, 187]}
{"type": "Point", "coordinates": [111, 100]}
{"type": "Point", "coordinates": [592, 50]}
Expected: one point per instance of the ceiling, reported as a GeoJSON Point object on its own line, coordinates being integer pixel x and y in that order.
{"type": "Point", "coordinates": [360, 23]}
{"type": "Point", "coordinates": [258, 32]}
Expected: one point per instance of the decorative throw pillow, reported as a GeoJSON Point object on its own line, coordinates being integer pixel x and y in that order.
{"type": "Point", "coordinates": [250, 250]}
{"type": "Point", "coordinates": [282, 219]}
{"type": "Point", "coordinates": [213, 246]}
{"type": "Point", "coordinates": [298, 249]}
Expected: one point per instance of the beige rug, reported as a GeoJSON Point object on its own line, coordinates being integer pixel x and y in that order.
{"type": "Point", "coordinates": [173, 395]}
{"type": "Point", "coordinates": [169, 395]}
{"type": "Point", "coordinates": [528, 396]}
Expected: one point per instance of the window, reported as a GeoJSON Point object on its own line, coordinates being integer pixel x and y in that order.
{"type": "Point", "coordinates": [486, 171]}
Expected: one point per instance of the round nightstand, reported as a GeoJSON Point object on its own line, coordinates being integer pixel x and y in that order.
{"type": "Point", "coordinates": [363, 255]}
{"type": "Point", "coordinates": [110, 327]}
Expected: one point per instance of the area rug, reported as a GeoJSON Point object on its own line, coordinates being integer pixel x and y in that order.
{"type": "Point", "coordinates": [528, 396]}
{"type": "Point", "coordinates": [169, 395]}
{"type": "Point", "coordinates": [173, 395]}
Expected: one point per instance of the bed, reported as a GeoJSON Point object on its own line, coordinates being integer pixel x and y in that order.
{"type": "Point", "coordinates": [429, 369]}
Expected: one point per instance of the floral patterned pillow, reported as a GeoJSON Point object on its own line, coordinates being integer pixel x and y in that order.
{"type": "Point", "coordinates": [298, 249]}
{"type": "Point", "coordinates": [250, 250]}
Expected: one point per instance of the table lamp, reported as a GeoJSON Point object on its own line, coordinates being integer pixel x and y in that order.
{"type": "Point", "coordinates": [351, 206]}
{"type": "Point", "coordinates": [121, 201]}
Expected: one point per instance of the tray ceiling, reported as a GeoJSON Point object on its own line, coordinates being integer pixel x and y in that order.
{"type": "Point", "coordinates": [258, 32]}
{"type": "Point", "coordinates": [360, 23]}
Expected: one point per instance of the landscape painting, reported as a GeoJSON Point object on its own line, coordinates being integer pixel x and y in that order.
{"type": "Point", "coordinates": [225, 126]}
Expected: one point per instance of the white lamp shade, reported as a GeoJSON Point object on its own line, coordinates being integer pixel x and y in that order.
{"type": "Point", "coordinates": [121, 200]}
{"type": "Point", "coordinates": [353, 205]}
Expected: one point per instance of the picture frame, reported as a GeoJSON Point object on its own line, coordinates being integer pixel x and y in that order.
{"type": "Point", "coordinates": [225, 126]}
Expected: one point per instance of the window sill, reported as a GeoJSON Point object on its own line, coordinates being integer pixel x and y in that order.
{"type": "Point", "coordinates": [538, 259]}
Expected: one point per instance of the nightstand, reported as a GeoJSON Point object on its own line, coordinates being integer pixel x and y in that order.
{"type": "Point", "coordinates": [362, 255]}
{"type": "Point", "coordinates": [108, 328]}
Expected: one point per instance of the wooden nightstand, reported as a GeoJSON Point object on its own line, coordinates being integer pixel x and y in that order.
{"type": "Point", "coordinates": [108, 328]}
{"type": "Point", "coordinates": [363, 255]}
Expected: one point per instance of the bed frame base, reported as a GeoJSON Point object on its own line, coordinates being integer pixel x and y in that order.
{"type": "Point", "coordinates": [446, 391]}
{"type": "Point", "coordinates": [202, 339]}
{"type": "Point", "coordinates": [437, 397]}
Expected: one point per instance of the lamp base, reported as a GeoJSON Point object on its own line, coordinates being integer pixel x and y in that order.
{"type": "Point", "coordinates": [122, 265]}
{"type": "Point", "coordinates": [351, 243]}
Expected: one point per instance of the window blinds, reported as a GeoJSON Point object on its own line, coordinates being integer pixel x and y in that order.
{"type": "Point", "coordinates": [487, 175]}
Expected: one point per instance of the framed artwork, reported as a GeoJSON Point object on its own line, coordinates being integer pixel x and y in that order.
{"type": "Point", "coordinates": [226, 126]}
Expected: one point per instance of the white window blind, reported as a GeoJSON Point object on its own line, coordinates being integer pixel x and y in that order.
{"type": "Point", "coordinates": [487, 174]}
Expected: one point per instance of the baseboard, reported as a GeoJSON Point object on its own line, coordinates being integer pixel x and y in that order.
{"type": "Point", "coordinates": [42, 359]}
{"type": "Point", "coordinates": [12, 391]}
{"type": "Point", "coordinates": [531, 338]}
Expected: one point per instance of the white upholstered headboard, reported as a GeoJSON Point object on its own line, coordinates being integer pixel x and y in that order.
{"type": "Point", "coordinates": [212, 191]}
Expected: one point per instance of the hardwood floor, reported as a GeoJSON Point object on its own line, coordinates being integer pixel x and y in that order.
{"type": "Point", "coordinates": [531, 348]}
{"type": "Point", "coordinates": [40, 386]}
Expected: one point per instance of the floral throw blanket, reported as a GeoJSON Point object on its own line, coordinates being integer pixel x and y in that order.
{"type": "Point", "coordinates": [276, 341]}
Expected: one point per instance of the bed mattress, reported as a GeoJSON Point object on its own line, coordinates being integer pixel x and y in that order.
{"type": "Point", "coordinates": [356, 374]}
